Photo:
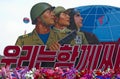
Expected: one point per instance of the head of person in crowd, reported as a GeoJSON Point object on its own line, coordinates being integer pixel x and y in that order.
{"type": "Point", "coordinates": [75, 19]}
{"type": "Point", "coordinates": [62, 18]}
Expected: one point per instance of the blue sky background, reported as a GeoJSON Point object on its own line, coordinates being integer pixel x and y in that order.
{"type": "Point", "coordinates": [12, 13]}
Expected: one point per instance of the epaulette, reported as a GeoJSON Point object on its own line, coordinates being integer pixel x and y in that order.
{"type": "Point", "coordinates": [25, 35]}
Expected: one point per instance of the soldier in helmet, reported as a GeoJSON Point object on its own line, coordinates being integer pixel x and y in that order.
{"type": "Point", "coordinates": [61, 26]}
{"type": "Point", "coordinates": [62, 20]}
{"type": "Point", "coordinates": [42, 17]}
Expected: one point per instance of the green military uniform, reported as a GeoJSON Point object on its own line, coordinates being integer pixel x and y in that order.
{"type": "Point", "coordinates": [62, 33]}
{"type": "Point", "coordinates": [33, 39]}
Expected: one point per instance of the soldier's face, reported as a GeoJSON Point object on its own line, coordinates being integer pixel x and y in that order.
{"type": "Point", "coordinates": [49, 17]}
{"type": "Point", "coordinates": [78, 20]}
{"type": "Point", "coordinates": [64, 19]}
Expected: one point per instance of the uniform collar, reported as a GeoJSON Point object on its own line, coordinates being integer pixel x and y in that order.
{"type": "Point", "coordinates": [65, 30]}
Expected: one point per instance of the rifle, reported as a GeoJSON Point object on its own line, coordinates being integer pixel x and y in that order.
{"type": "Point", "coordinates": [68, 38]}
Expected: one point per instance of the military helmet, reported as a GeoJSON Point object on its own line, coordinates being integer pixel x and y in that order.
{"type": "Point", "coordinates": [59, 10]}
{"type": "Point", "coordinates": [38, 9]}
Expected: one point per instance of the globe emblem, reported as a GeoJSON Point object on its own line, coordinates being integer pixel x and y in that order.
{"type": "Point", "coordinates": [102, 20]}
